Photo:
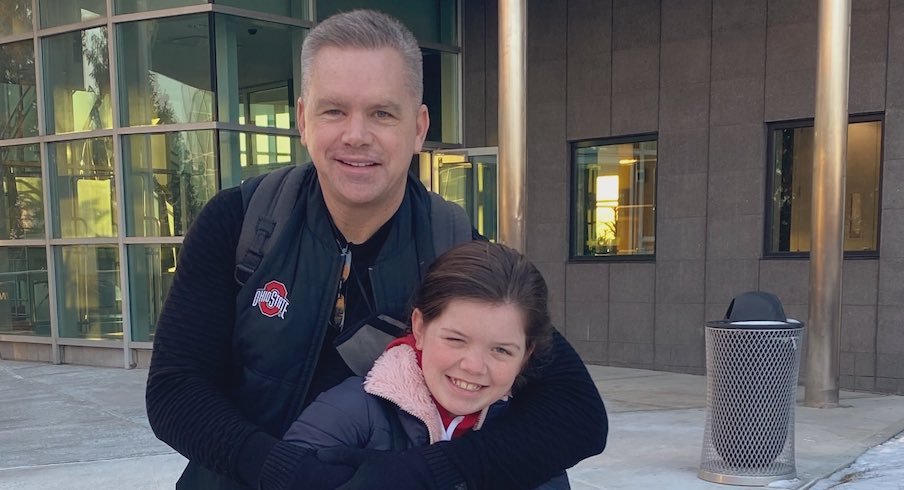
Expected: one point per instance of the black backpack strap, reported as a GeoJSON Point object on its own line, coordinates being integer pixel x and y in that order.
{"type": "Point", "coordinates": [268, 200]}
{"type": "Point", "coordinates": [450, 222]}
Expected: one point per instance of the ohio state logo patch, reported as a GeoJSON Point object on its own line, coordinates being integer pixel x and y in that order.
{"type": "Point", "coordinates": [272, 299]}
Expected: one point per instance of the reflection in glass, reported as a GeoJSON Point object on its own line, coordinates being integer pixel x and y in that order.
{"type": "Point", "coordinates": [615, 192]}
{"type": "Point", "coordinates": [83, 188]}
{"type": "Point", "coordinates": [268, 107]}
{"type": "Point", "coordinates": [15, 17]}
{"type": "Point", "coordinates": [157, 87]}
{"type": "Point", "coordinates": [792, 188]}
{"type": "Point", "coordinates": [244, 155]}
{"type": "Point", "coordinates": [151, 272]}
{"type": "Point", "coordinates": [168, 178]}
{"type": "Point", "coordinates": [77, 81]}
{"type": "Point", "coordinates": [18, 96]}
{"type": "Point", "coordinates": [468, 180]}
{"type": "Point", "coordinates": [59, 12]}
{"type": "Point", "coordinates": [24, 296]}
{"type": "Point", "coordinates": [297, 9]}
{"type": "Point", "coordinates": [89, 292]}
{"type": "Point", "coordinates": [441, 77]}
{"type": "Point", "coordinates": [132, 6]}
{"type": "Point", "coordinates": [22, 202]}
{"type": "Point", "coordinates": [432, 22]}
{"type": "Point", "coordinates": [256, 66]}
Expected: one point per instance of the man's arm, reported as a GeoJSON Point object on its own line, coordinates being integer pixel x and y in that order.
{"type": "Point", "coordinates": [557, 420]}
{"type": "Point", "coordinates": [554, 422]}
{"type": "Point", "coordinates": [191, 362]}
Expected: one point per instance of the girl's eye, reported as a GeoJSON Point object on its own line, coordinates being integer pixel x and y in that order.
{"type": "Point", "coordinates": [454, 339]}
{"type": "Point", "coordinates": [503, 351]}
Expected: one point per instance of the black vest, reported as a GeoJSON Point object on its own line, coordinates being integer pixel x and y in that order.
{"type": "Point", "coordinates": [283, 310]}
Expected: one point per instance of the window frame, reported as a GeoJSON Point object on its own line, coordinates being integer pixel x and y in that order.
{"type": "Point", "coordinates": [768, 221]}
{"type": "Point", "coordinates": [573, 146]}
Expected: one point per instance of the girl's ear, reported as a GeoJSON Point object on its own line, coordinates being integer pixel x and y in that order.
{"type": "Point", "coordinates": [527, 353]}
{"type": "Point", "coordinates": [418, 328]}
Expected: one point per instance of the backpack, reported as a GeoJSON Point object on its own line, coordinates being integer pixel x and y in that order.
{"type": "Point", "coordinates": [268, 200]}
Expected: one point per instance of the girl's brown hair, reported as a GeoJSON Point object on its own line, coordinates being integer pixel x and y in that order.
{"type": "Point", "coordinates": [488, 273]}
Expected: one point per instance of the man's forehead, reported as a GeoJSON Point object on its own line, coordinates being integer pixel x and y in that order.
{"type": "Point", "coordinates": [333, 49]}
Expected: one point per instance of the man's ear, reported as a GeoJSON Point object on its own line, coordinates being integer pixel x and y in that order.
{"type": "Point", "coordinates": [422, 123]}
{"type": "Point", "coordinates": [418, 328]}
{"type": "Point", "coordinates": [299, 118]}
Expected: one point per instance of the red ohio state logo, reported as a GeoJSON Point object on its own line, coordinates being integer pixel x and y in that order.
{"type": "Point", "coordinates": [272, 299]}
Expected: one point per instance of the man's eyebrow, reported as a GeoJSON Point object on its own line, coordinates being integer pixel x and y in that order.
{"type": "Point", "coordinates": [390, 106]}
{"type": "Point", "coordinates": [327, 102]}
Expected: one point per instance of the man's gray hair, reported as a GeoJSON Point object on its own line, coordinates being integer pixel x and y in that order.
{"type": "Point", "coordinates": [364, 29]}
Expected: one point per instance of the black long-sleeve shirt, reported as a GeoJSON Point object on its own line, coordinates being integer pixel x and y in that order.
{"type": "Point", "coordinates": [557, 419]}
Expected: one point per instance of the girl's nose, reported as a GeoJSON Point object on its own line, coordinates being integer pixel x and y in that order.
{"type": "Point", "coordinates": [473, 361]}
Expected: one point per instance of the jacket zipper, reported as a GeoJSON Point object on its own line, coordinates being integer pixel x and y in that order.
{"type": "Point", "coordinates": [420, 419]}
{"type": "Point", "coordinates": [323, 324]}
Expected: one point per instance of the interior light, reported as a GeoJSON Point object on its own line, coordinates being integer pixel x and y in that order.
{"type": "Point", "coordinates": [627, 161]}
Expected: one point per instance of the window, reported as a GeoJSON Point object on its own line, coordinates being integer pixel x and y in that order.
{"type": "Point", "coordinates": [60, 12]}
{"type": "Point", "coordinates": [15, 17]}
{"type": "Point", "coordinates": [441, 95]}
{"type": "Point", "coordinates": [468, 178]}
{"type": "Point", "coordinates": [82, 190]}
{"type": "Point", "coordinates": [151, 272]}
{"type": "Point", "coordinates": [168, 178]}
{"type": "Point", "coordinates": [614, 191]}
{"type": "Point", "coordinates": [89, 298]}
{"type": "Point", "coordinates": [430, 22]}
{"type": "Point", "coordinates": [245, 155]}
{"type": "Point", "coordinates": [22, 206]}
{"type": "Point", "coordinates": [298, 9]}
{"type": "Point", "coordinates": [791, 186]}
{"type": "Point", "coordinates": [77, 81]}
{"type": "Point", "coordinates": [132, 6]}
{"type": "Point", "coordinates": [24, 295]}
{"type": "Point", "coordinates": [256, 66]}
{"type": "Point", "coordinates": [18, 99]}
{"type": "Point", "coordinates": [156, 87]}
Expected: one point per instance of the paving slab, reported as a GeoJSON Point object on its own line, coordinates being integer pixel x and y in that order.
{"type": "Point", "coordinates": [85, 428]}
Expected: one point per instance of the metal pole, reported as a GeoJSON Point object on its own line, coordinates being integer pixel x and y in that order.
{"type": "Point", "coordinates": [830, 148]}
{"type": "Point", "coordinates": [512, 121]}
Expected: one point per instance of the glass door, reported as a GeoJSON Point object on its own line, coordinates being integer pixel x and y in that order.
{"type": "Point", "coordinates": [467, 177]}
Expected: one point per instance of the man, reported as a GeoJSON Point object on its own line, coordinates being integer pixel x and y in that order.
{"type": "Point", "coordinates": [229, 373]}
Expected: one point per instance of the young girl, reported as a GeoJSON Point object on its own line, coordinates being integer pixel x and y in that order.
{"type": "Point", "coordinates": [478, 317]}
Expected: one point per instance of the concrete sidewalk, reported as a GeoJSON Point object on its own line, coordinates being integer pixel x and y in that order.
{"type": "Point", "coordinates": [74, 427]}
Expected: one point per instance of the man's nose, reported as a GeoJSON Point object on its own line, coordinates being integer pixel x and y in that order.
{"type": "Point", "coordinates": [357, 131]}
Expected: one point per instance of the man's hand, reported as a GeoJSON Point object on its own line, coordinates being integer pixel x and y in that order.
{"type": "Point", "coordinates": [306, 472]}
{"type": "Point", "coordinates": [379, 470]}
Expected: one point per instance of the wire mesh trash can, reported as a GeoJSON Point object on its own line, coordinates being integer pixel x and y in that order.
{"type": "Point", "coordinates": [752, 370]}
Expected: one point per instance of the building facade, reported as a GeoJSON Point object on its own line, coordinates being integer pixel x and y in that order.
{"type": "Point", "coordinates": [669, 156]}
{"type": "Point", "coordinates": [119, 119]}
{"type": "Point", "coordinates": [669, 148]}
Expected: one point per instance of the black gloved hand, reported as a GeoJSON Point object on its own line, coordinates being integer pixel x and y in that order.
{"type": "Point", "coordinates": [295, 468]}
{"type": "Point", "coordinates": [379, 470]}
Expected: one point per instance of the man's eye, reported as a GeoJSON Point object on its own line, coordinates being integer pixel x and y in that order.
{"type": "Point", "coordinates": [332, 112]}
{"type": "Point", "coordinates": [382, 115]}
